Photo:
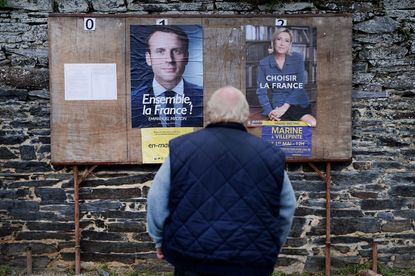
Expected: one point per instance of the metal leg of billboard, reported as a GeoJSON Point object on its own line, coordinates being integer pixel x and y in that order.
{"type": "Point", "coordinates": [77, 179]}
{"type": "Point", "coordinates": [327, 180]}
{"type": "Point", "coordinates": [374, 256]}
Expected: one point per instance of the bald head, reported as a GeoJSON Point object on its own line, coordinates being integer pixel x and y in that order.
{"type": "Point", "coordinates": [227, 104]}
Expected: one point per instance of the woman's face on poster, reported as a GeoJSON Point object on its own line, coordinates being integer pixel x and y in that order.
{"type": "Point", "coordinates": [167, 57]}
{"type": "Point", "coordinates": [282, 43]}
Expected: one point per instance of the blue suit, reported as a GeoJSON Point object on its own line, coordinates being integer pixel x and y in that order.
{"type": "Point", "coordinates": [286, 84]}
{"type": "Point", "coordinates": [146, 117]}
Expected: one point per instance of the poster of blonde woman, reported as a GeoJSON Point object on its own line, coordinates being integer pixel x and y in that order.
{"type": "Point", "coordinates": [281, 74]}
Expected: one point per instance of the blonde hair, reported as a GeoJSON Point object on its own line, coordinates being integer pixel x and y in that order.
{"type": "Point", "coordinates": [276, 33]}
{"type": "Point", "coordinates": [227, 104]}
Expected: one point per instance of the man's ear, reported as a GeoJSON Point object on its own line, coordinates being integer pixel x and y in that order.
{"type": "Point", "coordinates": [148, 58]}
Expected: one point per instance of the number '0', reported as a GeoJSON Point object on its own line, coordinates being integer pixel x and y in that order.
{"type": "Point", "coordinates": [90, 24]}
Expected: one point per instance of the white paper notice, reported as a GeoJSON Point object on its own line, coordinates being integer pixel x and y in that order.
{"type": "Point", "coordinates": [92, 81]}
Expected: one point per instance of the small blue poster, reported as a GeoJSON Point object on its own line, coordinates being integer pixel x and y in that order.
{"type": "Point", "coordinates": [294, 138]}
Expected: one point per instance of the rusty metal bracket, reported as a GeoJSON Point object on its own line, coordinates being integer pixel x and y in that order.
{"type": "Point", "coordinates": [374, 256]}
{"type": "Point", "coordinates": [29, 260]}
{"type": "Point", "coordinates": [77, 181]}
{"type": "Point", "coordinates": [327, 179]}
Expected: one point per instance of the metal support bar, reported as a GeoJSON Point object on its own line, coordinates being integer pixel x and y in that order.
{"type": "Point", "coordinates": [328, 219]}
{"type": "Point", "coordinates": [317, 171]}
{"type": "Point", "coordinates": [86, 173]}
{"type": "Point", "coordinates": [76, 212]}
{"type": "Point", "coordinates": [374, 257]}
{"type": "Point", "coordinates": [77, 181]}
{"type": "Point", "coordinates": [327, 180]}
{"type": "Point", "coordinates": [29, 260]}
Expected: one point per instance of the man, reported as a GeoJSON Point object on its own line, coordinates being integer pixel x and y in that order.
{"type": "Point", "coordinates": [221, 204]}
{"type": "Point", "coordinates": [168, 100]}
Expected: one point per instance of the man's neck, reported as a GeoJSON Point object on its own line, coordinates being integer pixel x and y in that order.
{"type": "Point", "coordinates": [158, 88]}
{"type": "Point", "coordinates": [169, 85]}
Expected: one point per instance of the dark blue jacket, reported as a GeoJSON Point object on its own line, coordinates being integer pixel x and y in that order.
{"type": "Point", "coordinates": [224, 202]}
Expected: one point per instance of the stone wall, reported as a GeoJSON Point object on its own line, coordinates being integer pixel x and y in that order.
{"type": "Point", "coordinates": [373, 197]}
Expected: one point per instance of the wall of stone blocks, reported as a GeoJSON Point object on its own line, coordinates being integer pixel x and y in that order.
{"type": "Point", "coordinates": [373, 196]}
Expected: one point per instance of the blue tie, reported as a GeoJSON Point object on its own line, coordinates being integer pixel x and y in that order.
{"type": "Point", "coordinates": [170, 104]}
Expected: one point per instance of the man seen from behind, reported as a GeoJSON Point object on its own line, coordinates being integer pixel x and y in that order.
{"type": "Point", "coordinates": [221, 203]}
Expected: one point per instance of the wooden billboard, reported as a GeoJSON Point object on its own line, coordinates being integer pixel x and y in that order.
{"type": "Point", "coordinates": [99, 130]}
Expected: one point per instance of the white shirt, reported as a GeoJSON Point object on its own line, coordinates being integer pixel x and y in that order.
{"type": "Point", "coordinates": [158, 91]}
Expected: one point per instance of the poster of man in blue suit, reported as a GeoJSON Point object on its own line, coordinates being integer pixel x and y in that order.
{"type": "Point", "coordinates": [166, 75]}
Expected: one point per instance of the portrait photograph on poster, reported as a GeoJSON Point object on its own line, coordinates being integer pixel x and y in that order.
{"type": "Point", "coordinates": [166, 75]}
{"type": "Point", "coordinates": [281, 73]}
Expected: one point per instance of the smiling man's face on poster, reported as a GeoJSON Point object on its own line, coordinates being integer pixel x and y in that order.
{"type": "Point", "coordinates": [167, 55]}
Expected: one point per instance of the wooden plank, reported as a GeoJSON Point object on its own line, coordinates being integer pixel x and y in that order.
{"type": "Point", "coordinates": [334, 78]}
{"type": "Point", "coordinates": [87, 131]}
{"type": "Point", "coordinates": [133, 134]}
{"type": "Point", "coordinates": [224, 58]}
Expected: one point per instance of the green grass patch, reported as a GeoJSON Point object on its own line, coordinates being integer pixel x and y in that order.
{"type": "Point", "coordinates": [297, 274]}
{"type": "Point", "coordinates": [353, 270]}
{"type": "Point", "coordinates": [392, 271]}
{"type": "Point", "coordinates": [5, 270]}
{"type": "Point", "coordinates": [3, 3]}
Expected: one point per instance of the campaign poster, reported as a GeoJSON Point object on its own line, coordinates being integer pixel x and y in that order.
{"type": "Point", "coordinates": [281, 68]}
{"type": "Point", "coordinates": [155, 142]}
{"type": "Point", "coordinates": [166, 76]}
{"type": "Point", "coordinates": [294, 138]}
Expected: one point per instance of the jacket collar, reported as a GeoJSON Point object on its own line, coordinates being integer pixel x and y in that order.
{"type": "Point", "coordinates": [228, 125]}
